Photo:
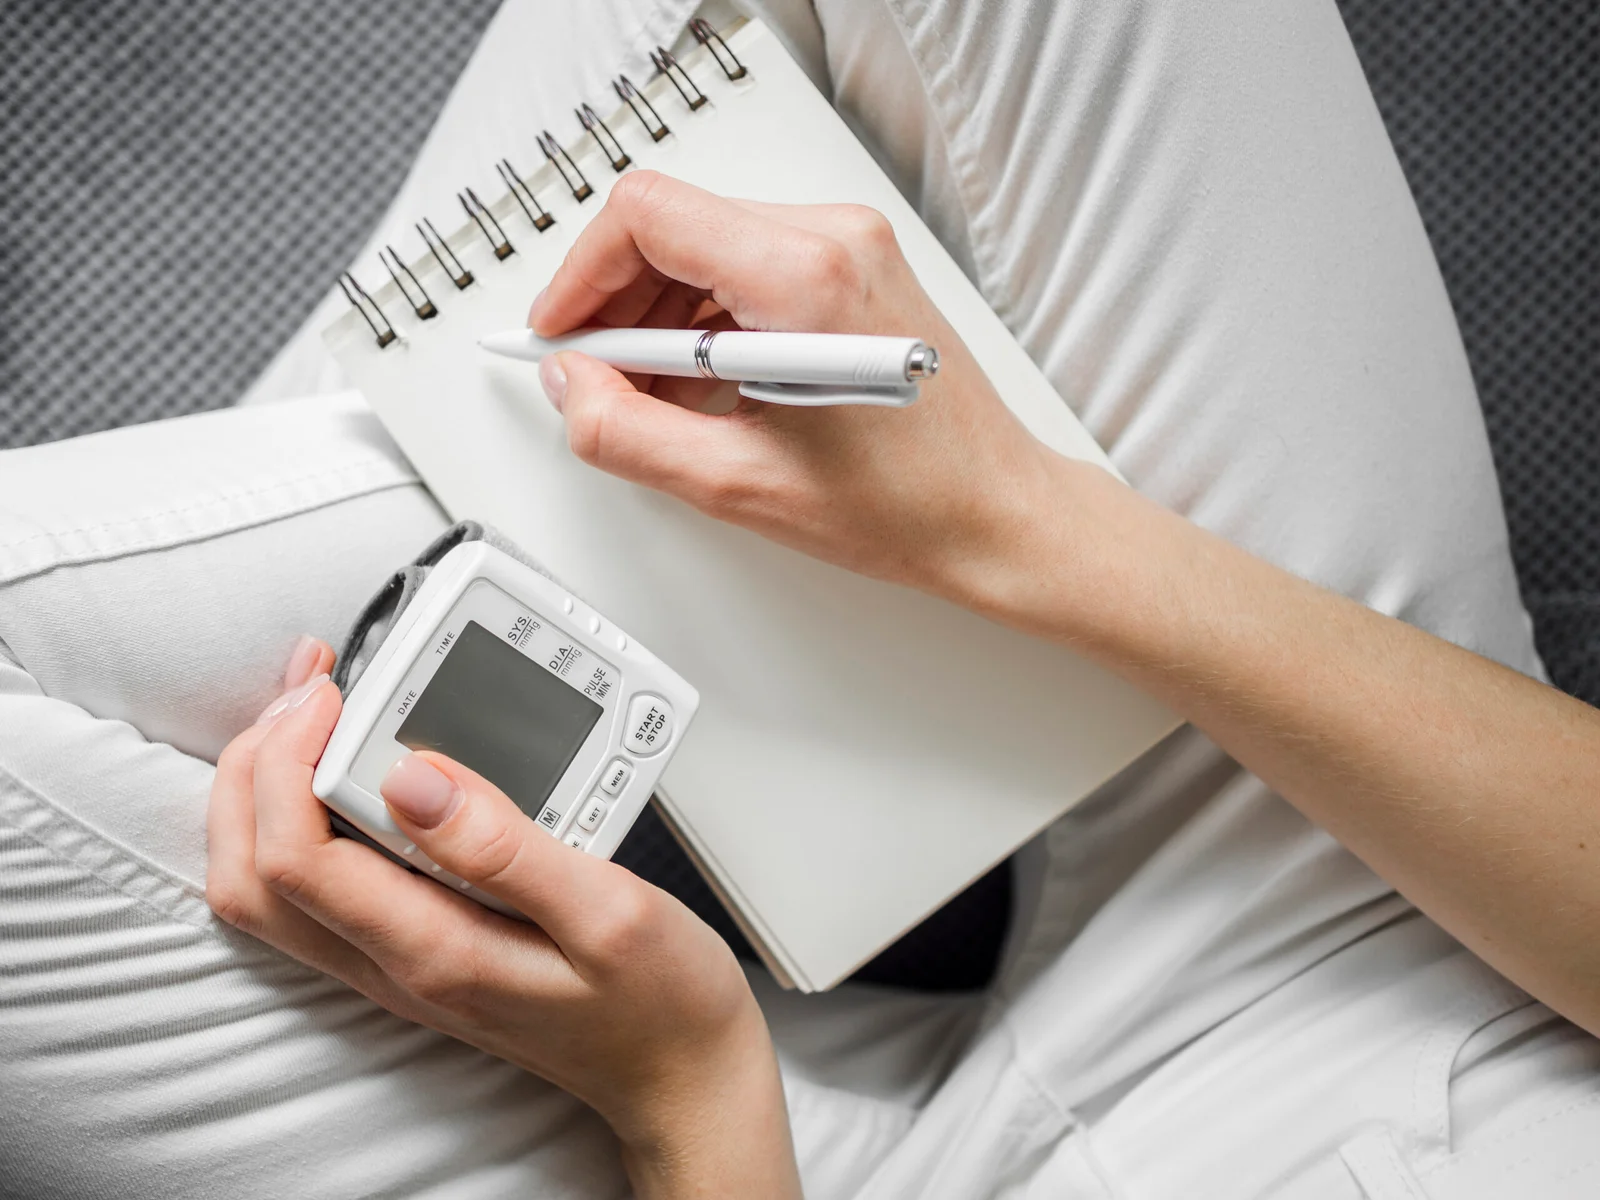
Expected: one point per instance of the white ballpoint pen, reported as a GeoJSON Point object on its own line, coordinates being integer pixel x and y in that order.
{"type": "Point", "coordinates": [779, 368]}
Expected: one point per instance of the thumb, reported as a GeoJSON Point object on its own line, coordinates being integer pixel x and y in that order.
{"type": "Point", "coordinates": [474, 830]}
{"type": "Point", "coordinates": [695, 456]}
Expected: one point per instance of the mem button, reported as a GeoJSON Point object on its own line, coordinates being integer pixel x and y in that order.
{"type": "Point", "coordinates": [649, 725]}
{"type": "Point", "coordinates": [616, 776]}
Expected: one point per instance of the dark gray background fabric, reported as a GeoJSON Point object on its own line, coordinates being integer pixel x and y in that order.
{"type": "Point", "coordinates": [181, 182]}
{"type": "Point", "coordinates": [1494, 108]}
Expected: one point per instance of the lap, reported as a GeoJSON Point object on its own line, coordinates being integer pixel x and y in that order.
{"type": "Point", "coordinates": [201, 1054]}
{"type": "Point", "coordinates": [1191, 218]}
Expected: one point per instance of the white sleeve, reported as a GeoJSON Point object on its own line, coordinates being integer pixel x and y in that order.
{"type": "Point", "coordinates": [1193, 219]}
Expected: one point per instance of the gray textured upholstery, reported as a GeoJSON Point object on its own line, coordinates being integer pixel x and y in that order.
{"type": "Point", "coordinates": [1495, 111]}
{"type": "Point", "coordinates": [181, 183]}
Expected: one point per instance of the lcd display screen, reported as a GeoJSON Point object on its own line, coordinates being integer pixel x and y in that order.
{"type": "Point", "coordinates": [492, 708]}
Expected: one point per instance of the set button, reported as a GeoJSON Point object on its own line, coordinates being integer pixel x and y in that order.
{"type": "Point", "coordinates": [592, 814]}
{"type": "Point", "coordinates": [649, 725]}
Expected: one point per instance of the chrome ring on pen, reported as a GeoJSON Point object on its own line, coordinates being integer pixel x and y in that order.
{"type": "Point", "coordinates": [702, 354]}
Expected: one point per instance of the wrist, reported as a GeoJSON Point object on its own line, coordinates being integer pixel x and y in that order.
{"type": "Point", "coordinates": [1088, 562]}
{"type": "Point", "coordinates": [717, 1126]}
{"type": "Point", "coordinates": [1046, 558]}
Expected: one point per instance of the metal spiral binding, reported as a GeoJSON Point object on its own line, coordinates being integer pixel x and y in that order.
{"type": "Point", "coordinates": [514, 184]}
{"type": "Point", "coordinates": [368, 308]}
{"type": "Point", "coordinates": [406, 281]}
{"type": "Point", "coordinates": [479, 212]}
{"type": "Point", "coordinates": [711, 39]}
{"type": "Point", "coordinates": [424, 307]}
{"type": "Point", "coordinates": [633, 97]}
{"type": "Point", "coordinates": [581, 190]}
{"type": "Point", "coordinates": [458, 274]}
{"type": "Point", "coordinates": [666, 64]}
{"type": "Point", "coordinates": [614, 153]}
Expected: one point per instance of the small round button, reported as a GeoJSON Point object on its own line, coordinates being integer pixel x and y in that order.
{"type": "Point", "coordinates": [649, 726]}
{"type": "Point", "coordinates": [592, 814]}
{"type": "Point", "coordinates": [616, 776]}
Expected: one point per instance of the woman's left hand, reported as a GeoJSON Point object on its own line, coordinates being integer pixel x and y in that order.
{"type": "Point", "coordinates": [617, 993]}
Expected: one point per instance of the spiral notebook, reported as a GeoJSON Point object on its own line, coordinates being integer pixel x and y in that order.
{"type": "Point", "coordinates": [862, 752]}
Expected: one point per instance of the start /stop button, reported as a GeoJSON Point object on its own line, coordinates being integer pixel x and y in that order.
{"type": "Point", "coordinates": [649, 726]}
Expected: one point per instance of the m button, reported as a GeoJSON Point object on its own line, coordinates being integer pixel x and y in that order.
{"type": "Point", "coordinates": [649, 725]}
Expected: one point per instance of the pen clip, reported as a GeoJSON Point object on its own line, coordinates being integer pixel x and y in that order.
{"type": "Point", "coordinates": [822, 395]}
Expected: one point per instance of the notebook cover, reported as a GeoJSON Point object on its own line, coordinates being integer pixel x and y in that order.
{"type": "Point", "coordinates": [863, 752]}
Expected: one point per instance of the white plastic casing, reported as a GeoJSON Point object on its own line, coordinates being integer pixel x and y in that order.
{"type": "Point", "coordinates": [645, 705]}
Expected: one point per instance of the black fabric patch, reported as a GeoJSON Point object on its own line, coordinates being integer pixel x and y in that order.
{"type": "Point", "coordinates": [956, 949]}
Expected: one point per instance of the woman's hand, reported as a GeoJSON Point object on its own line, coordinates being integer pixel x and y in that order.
{"type": "Point", "coordinates": [618, 993]}
{"type": "Point", "coordinates": [1468, 787]}
{"type": "Point", "coordinates": [925, 495]}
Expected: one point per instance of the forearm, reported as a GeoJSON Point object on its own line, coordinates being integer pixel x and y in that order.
{"type": "Point", "coordinates": [1471, 788]}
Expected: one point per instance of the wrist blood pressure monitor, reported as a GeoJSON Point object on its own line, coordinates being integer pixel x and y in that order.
{"type": "Point", "coordinates": [475, 653]}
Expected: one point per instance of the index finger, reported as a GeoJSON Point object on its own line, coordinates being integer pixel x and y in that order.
{"type": "Point", "coordinates": [746, 260]}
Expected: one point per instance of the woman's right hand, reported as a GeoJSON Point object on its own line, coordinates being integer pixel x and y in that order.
{"type": "Point", "coordinates": [925, 495]}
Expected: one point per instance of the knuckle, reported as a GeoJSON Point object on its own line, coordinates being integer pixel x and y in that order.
{"type": "Point", "coordinates": [867, 228]}
{"type": "Point", "coordinates": [424, 979]}
{"type": "Point", "coordinates": [624, 925]}
{"type": "Point", "coordinates": [284, 872]}
{"type": "Point", "coordinates": [442, 981]}
{"type": "Point", "coordinates": [833, 270]}
{"type": "Point", "coordinates": [724, 492]}
{"type": "Point", "coordinates": [588, 431]}
{"type": "Point", "coordinates": [637, 191]}
{"type": "Point", "coordinates": [235, 757]}
{"type": "Point", "coordinates": [492, 859]}
{"type": "Point", "coordinates": [229, 903]}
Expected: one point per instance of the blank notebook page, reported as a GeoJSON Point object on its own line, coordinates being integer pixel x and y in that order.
{"type": "Point", "coordinates": [862, 752]}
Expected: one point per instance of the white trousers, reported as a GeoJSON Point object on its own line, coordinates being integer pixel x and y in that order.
{"type": "Point", "coordinates": [1191, 217]}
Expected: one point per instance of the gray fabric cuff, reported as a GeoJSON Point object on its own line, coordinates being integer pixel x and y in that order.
{"type": "Point", "coordinates": [380, 613]}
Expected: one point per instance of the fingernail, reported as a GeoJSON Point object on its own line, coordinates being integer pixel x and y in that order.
{"type": "Point", "coordinates": [554, 380]}
{"type": "Point", "coordinates": [538, 303]}
{"type": "Point", "coordinates": [301, 660]}
{"type": "Point", "coordinates": [291, 700]}
{"type": "Point", "coordinates": [420, 792]}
